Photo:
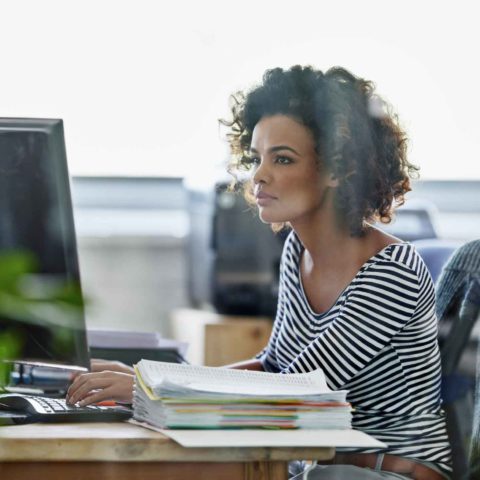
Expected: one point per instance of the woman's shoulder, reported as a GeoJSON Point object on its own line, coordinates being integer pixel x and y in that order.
{"type": "Point", "coordinates": [402, 257]}
{"type": "Point", "coordinates": [403, 253]}
{"type": "Point", "coordinates": [394, 250]}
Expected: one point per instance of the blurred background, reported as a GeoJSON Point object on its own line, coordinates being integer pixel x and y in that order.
{"type": "Point", "coordinates": [140, 86]}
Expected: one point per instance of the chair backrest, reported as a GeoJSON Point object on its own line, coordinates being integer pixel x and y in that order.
{"type": "Point", "coordinates": [461, 270]}
{"type": "Point", "coordinates": [435, 253]}
{"type": "Point", "coordinates": [461, 330]}
{"type": "Point", "coordinates": [474, 453]}
{"type": "Point", "coordinates": [458, 307]}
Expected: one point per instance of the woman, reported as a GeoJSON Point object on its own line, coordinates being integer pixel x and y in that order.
{"type": "Point", "coordinates": [327, 159]}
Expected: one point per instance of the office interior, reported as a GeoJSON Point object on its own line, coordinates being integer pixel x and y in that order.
{"type": "Point", "coordinates": [134, 233]}
{"type": "Point", "coordinates": [141, 96]}
{"type": "Point", "coordinates": [142, 92]}
{"type": "Point", "coordinates": [140, 88]}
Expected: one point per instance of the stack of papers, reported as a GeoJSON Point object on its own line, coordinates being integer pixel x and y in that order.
{"type": "Point", "coordinates": [171, 395]}
{"type": "Point", "coordinates": [131, 339]}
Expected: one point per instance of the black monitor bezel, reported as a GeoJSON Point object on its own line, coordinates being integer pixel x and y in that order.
{"type": "Point", "coordinates": [53, 128]}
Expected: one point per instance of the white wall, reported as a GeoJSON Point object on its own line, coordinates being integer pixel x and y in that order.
{"type": "Point", "coordinates": [132, 283]}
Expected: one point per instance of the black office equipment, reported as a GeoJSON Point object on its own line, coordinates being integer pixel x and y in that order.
{"type": "Point", "coordinates": [36, 222]}
{"type": "Point", "coordinates": [233, 258]}
{"type": "Point", "coordinates": [36, 218]}
{"type": "Point", "coordinates": [52, 410]}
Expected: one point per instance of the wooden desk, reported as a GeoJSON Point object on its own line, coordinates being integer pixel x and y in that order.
{"type": "Point", "coordinates": [121, 451]}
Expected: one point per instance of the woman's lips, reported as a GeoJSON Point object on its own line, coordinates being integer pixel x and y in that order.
{"type": "Point", "coordinates": [264, 198]}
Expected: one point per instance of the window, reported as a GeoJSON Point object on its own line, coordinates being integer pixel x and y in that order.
{"type": "Point", "coordinates": [140, 85]}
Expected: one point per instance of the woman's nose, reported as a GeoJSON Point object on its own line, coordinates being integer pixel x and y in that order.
{"type": "Point", "coordinates": [261, 174]}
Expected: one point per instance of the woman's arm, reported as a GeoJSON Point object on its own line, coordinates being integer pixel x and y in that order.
{"type": "Point", "coordinates": [100, 365]}
{"type": "Point", "coordinates": [251, 364]}
{"type": "Point", "coordinates": [382, 304]}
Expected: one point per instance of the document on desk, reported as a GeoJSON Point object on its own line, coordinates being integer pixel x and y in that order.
{"type": "Point", "coordinates": [187, 396]}
{"type": "Point", "coordinates": [169, 379]}
{"type": "Point", "coordinates": [131, 339]}
{"type": "Point", "coordinates": [272, 438]}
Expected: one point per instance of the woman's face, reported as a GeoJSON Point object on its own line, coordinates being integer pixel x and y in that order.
{"type": "Point", "coordinates": [289, 185]}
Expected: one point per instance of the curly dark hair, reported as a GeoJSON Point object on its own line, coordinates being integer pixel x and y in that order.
{"type": "Point", "coordinates": [358, 137]}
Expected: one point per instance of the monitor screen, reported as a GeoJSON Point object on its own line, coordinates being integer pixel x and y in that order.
{"type": "Point", "coordinates": [37, 234]}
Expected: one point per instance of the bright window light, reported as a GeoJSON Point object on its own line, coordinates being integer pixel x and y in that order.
{"type": "Point", "coordinates": [140, 84]}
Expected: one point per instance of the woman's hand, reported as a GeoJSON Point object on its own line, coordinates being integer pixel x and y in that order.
{"type": "Point", "coordinates": [100, 365]}
{"type": "Point", "coordinates": [99, 386]}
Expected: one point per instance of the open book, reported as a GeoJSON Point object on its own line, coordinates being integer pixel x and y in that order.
{"type": "Point", "coordinates": [186, 396]}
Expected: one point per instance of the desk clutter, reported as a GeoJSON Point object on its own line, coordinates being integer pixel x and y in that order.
{"type": "Point", "coordinates": [129, 346]}
{"type": "Point", "coordinates": [193, 397]}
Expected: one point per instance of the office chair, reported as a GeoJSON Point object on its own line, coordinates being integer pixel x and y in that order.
{"type": "Point", "coordinates": [435, 253]}
{"type": "Point", "coordinates": [474, 453]}
{"type": "Point", "coordinates": [458, 307]}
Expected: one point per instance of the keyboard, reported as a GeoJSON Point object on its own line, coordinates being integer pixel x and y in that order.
{"type": "Point", "coordinates": [35, 408]}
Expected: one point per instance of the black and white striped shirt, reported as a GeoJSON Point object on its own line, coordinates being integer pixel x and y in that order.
{"type": "Point", "coordinates": [379, 341]}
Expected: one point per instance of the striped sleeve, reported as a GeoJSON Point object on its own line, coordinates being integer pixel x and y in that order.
{"type": "Point", "coordinates": [383, 301]}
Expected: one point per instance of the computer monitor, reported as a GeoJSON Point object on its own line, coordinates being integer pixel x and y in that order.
{"type": "Point", "coordinates": [36, 217]}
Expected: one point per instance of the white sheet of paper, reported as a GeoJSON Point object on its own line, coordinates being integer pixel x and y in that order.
{"type": "Point", "coordinates": [217, 378]}
{"type": "Point", "coordinates": [273, 438]}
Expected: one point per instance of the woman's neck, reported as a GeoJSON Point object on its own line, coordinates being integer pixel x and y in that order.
{"type": "Point", "coordinates": [330, 247]}
{"type": "Point", "coordinates": [323, 237]}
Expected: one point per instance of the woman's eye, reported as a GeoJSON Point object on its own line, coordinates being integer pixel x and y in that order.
{"type": "Point", "coordinates": [283, 160]}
